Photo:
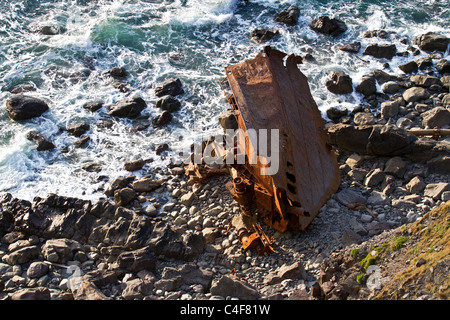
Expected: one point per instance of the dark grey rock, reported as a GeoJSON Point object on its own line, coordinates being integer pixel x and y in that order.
{"type": "Point", "coordinates": [21, 107]}
{"type": "Point", "coordinates": [288, 16]}
{"type": "Point", "coordinates": [41, 142]}
{"type": "Point", "coordinates": [339, 83]}
{"type": "Point", "coordinates": [381, 51]}
{"type": "Point", "coordinates": [325, 25]}
{"type": "Point", "coordinates": [172, 87]}
{"type": "Point", "coordinates": [128, 108]}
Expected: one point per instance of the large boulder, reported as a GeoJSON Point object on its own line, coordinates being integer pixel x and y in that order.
{"type": "Point", "coordinates": [381, 140]}
{"type": "Point", "coordinates": [128, 108]}
{"type": "Point", "coordinates": [168, 103]}
{"type": "Point", "coordinates": [443, 66]}
{"type": "Point", "coordinates": [367, 86]}
{"type": "Point", "coordinates": [21, 107]}
{"type": "Point", "coordinates": [386, 51]}
{"type": "Point", "coordinates": [288, 16]}
{"type": "Point", "coordinates": [436, 118]}
{"type": "Point", "coordinates": [172, 87]}
{"type": "Point", "coordinates": [415, 93]}
{"type": "Point", "coordinates": [431, 41]}
{"type": "Point", "coordinates": [325, 25]}
{"type": "Point", "coordinates": [339, 83]}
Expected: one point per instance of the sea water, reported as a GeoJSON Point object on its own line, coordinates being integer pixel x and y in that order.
{"type": "Point", "coordinates": [154, 40]}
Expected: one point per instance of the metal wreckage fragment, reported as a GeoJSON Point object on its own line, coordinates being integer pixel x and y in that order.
{"type": "Point", "coordinates": [270, 92]}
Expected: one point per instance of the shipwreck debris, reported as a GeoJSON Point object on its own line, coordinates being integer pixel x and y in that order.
{"type": "Point", "coordinates": [270, 93]}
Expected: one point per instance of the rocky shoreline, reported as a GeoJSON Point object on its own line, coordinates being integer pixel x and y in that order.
{"type": "Point", "coordinates": [133, 245]}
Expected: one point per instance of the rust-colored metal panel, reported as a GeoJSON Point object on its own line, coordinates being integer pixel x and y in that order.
{"type": "Point", "coordinates": [270, 92]}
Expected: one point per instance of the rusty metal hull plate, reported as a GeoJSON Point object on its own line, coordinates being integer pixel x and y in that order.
{"type": "Point", "coordinates": [270, 92]}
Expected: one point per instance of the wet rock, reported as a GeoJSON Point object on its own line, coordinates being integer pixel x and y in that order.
{"type": "Point", "coordinates": [77, 128]}
{"type": "Point", "coordinates": [288, 16]}
{"type": "Point", "coordinates": [381, 51]}
{"type": "Point", "coordinates": [93, 106]}
{"type": "Point", "coordinates": [383, 34]}
{"type": "Point", "coordinates": [409, 67]}
{"type": "Point", "coordinates": [262, 35]}
{"type": "Point", "coordinates": [39, 293]}
{"type": "Point", "coordinates": [353, 47]}
{"type": "Point", "coordinates": [367, 86]}
{"type": "Point", "coordinates": [118, 183]}
{"type": "Point", "coordinates": [162, 119]}
{"type": "Point", "coordinates": [49, 30]}
{"type": "Point", "coordinates": [443, 66]}
{"type": "Point", "coordinates": [168, 103]}
{"type": "Point", "coordinates": [233, 287]}
{"type": "Point", "coordinates": [161, 148]}
{"type": "Point", "coordinates": [128, 108]}
{"type": "Point", "coordinates": [21, 107]}
{"type": "Point", "coordinates": [117, 72]}
{"type": "Point", "coordinates": [431, 41]}
{"type": "Point", "coordinates": [124, 196]}
{"type": "Point", "coordinates": [339, 83]}
{"type": "Point", "coordinates": [134, 165]}
{"type": "Point", "coordinates": [91, 167]}
{"type": "Point", "coordinates": [41, 142]}
{"type": "Point", "coordinates": [22, 87]}
{"type": "Point", "coordinates": [335, 113]}
{"type": "Point", "coordinates": [325, 25]}
{"type": "Point", "coordinates": [438, 117]}
{"type": "Point", "coordinates": [172, 87]}
{"type": "Point", "coordinates": [81, 143]}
